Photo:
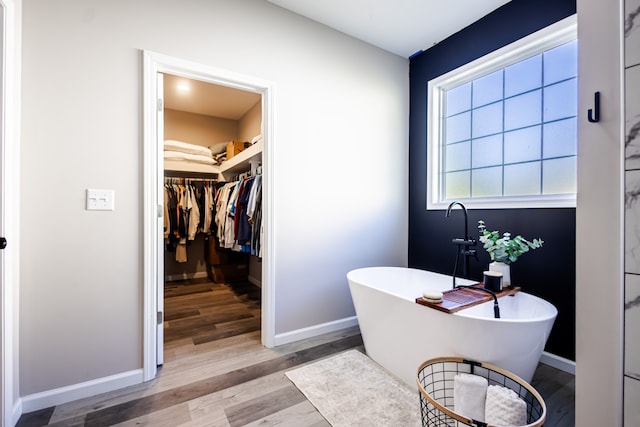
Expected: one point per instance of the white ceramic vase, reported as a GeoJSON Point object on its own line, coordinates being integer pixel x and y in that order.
{"type": "Point", "coordinates": [503, 268]}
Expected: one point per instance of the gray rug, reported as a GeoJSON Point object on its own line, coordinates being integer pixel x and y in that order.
{"type": "Point", "coordinates": [349, 389]}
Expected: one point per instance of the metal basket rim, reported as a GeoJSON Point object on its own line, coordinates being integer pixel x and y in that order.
{"type": "Point", "coordinates": [486, 365]}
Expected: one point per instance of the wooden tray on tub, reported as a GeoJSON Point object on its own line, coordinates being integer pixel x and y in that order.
{"type": "Point", "coordinates": [457, 299]}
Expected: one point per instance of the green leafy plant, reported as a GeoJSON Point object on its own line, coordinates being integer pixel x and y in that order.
{"type": "Point", "coordinates": [505, 249]}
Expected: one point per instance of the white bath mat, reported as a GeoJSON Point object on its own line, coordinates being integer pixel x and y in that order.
{"type": "Point", "coordinates": [349, 389]}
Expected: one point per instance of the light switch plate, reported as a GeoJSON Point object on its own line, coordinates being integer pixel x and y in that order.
{"type": "Point", "coordinates": [100, 200]}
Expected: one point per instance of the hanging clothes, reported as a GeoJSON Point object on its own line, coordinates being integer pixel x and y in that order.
{"type": "Point", "coordinates": [254, 213]}
{"type": "Point", "coordinates": [238, 215]}
{"type": "Point", "coordinates": [242, 225]}
{"type": "Point", "coordinates": [188, 211]}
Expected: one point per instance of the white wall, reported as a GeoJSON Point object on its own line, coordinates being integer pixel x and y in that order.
{"type": "Point", "coordinates": [340, 157]}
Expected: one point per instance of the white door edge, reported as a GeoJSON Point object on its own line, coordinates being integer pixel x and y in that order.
{"type": "Point", "coordinates": [159, 276]}
{"type": "Point", "coordinates": [9, 143]}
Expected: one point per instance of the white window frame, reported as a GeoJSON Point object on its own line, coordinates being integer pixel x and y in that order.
{"type": "Point", "coordinates": [552, 36]}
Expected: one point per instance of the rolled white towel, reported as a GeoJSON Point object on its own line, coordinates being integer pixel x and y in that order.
{"type": "Point", "coordinates": [469, 395]}
{"type": "Point", "coordinates": [504, 407]}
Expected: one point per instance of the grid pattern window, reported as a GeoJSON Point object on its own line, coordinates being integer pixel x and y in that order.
{"type": "Point", "coordinates": [505, 130]}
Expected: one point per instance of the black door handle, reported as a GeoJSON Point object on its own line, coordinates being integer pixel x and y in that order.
{"type": "Point", "coordinates": [593, 115]}
{"type": "Point", "coordinates": [3, 243]}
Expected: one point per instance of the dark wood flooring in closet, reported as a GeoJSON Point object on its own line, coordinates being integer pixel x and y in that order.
{"type": "Point", "coordinates": [203, 311]}
{"type": "Point", "coordinates": [217, 373]}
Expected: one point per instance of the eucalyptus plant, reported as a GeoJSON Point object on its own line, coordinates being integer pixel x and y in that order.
{"type": "Point", "coordinates": [505, 249]}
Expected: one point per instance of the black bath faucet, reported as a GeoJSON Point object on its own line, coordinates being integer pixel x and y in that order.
{"type": "Point", "coordinates": [463, 245]}
{"type": "Point", "coordinates": [496, 307]}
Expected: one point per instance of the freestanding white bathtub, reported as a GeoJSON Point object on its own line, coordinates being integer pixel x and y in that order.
{"type": "Point", "coordinates": [400, 334]}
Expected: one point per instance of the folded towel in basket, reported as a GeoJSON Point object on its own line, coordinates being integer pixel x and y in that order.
{"type": "Point", "coordinates": [504, 407]}
{"type": "Point", "coordinates": [469, 395]}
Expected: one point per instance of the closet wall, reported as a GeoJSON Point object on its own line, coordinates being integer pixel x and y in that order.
{"type": "Point", "coordinates": [205, 130]}
{"type": "Point", "coordinates": [250, 124]}
{"type": "Point", "coordinates": [198, 128]}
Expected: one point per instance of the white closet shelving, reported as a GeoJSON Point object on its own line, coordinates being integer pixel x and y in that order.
{"type": "Point", "coordinates": [178, 166]}
{"type": "Point", "coordinates": [241, 161]}
{"type": "Point", "coordinates": [237, 164]}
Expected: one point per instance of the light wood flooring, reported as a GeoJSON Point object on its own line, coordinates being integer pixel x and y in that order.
{"type": "Point", "coordinates": [217, 373]}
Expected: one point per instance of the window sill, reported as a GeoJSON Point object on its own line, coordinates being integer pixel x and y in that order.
{"type": "Point", "coordinates": [563, 201]}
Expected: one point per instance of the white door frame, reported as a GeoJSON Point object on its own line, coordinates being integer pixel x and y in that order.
{"type": "Point", "coordinates": [160, 224]}
{"type": "Point", "coordinates": [154, 63]}
{"type": "Point", "coordinates": [10, 208]}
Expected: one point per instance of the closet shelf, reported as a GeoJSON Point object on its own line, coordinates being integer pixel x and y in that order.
{"type": "Point", "coordinates": [176, 165]}
{"type": "Point", "coordinates": [239, 162]}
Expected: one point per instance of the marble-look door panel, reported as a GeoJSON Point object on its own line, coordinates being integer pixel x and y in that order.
{"type": "Point", "coordinates": [632, 213]}
{"type": "Point", "coordinates": [632, 32]}
{"type": "Point", "coordinates": [632, 115]}
{"type": "Point", "coordinates": [632, 222]}
{"type": "Point", "coordinates": [632, 326]}
{"type": "Point", "coordinates": [631, 399]}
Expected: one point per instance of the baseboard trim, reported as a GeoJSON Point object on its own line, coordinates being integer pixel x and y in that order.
{"type": "Point", "coordinates": [17, 412]}
{"type": "Point", "coordinates": [254, 281]}
{"type": "Point", "coordinates": [558, 362]}
{"type": "Point", "coordinates": [58, 396]}
{"type": "Point", "coordinates": [185, 276]}
{"type": "Point", "coordinates": [314, 331]}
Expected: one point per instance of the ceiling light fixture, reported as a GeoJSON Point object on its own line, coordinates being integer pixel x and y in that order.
{"type": "Point", "coordinates": [183, 87]}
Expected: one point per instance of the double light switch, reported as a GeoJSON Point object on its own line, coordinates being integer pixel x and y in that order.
{"type": "Point", "coordinates": [100, 200]}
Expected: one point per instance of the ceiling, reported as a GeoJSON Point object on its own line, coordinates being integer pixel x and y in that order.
{"type": "Point", "coordinates": [207, 99]}
{"type": "Point", "coordinates": [382, 23]}
{"type": "Point", "coordinates": [403, 27]}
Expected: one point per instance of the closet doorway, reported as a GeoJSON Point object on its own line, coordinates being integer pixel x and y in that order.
{"type": "Point", "coordinates": [181, 100]}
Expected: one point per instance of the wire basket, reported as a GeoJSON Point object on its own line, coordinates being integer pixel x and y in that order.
{"type": "Point", "coordinates": [435, 383]}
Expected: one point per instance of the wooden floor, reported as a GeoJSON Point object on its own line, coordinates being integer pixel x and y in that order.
{"type": "Point", "coordinates": [217, 373]}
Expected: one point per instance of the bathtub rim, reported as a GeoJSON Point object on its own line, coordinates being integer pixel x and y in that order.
{"type": "Point", "coordinates": [553, 311]}
{"type": "Point", "coordinates": [550, 316]}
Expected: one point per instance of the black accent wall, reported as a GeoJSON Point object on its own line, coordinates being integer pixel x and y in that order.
{"type": "Point", "coordinates": [548, 272]}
